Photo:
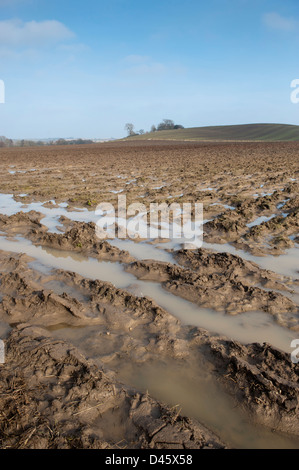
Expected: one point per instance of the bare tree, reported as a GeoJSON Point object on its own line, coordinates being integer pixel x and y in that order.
{"type": "Point", "coordinates": [166, 124]}
{"type": "Point", "coordinates": [129, 127]}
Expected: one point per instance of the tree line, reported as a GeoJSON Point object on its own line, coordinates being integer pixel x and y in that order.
{"type": "Point", "coordinates": [4, 142]}
{"type": "Point", "coordinates": [165, 125]}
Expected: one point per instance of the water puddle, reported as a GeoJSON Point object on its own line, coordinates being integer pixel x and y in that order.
{"type": "Point", "coordinates": [197, 395]}
{"type": "Point", "coordinates": [246, 327]}
{"type": "Point", "coordinates": [136, 226]}
{"type": "Point", "coordinates": [190, 388]}
{"type": "Point", "coordinates": [260, 220]}
{"type": "Point", "coordinates": [51, 215]}
{"type": "Point", "coordinates": [70, 261]}
{"type": "Point", "coordinates": [286, 265]}
{"type": "Point", "coordinates": [281, 204]}
{"type": "Point", "coordinates": [143, 250]}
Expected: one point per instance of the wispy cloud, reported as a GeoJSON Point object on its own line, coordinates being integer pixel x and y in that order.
{"type": "Point", "coordinates": [135, 59]}
{"type": "Point", "coordinates": [16, 33]}
{"type": "Point", "coordinates": [143, 65]}
{"type": "Point", "coordinates": [276, 21]}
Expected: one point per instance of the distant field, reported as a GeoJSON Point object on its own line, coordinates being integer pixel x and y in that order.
{"type": "Point", "coordinates": [245, 132]}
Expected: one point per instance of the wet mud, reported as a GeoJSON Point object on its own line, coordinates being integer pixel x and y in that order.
{"type": "Point", "coordinates": [75, 310]}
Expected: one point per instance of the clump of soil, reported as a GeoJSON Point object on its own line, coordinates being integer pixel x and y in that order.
{"type": "Point", "coordinates": [21, 223]}
{"type": "Point", "coordinates": [205, 262]}
{"type": "Point", "coordinates": [81, 237]}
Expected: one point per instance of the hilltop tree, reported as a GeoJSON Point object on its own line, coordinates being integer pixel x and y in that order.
{"type": "Point", "coordinates": [168, 124]}
{"type": "Point", "coordinates": [165, 125]}
{"type": "Point", "coordinates": [129, 127]}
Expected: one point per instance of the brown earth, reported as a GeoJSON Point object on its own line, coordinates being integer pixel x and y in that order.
{"type": "Point", "coordinates": [53, 395]}
{"type": "Point", "coordinates": [219, 290]}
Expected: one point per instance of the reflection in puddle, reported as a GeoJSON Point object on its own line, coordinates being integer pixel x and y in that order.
{"type": "Point", "coordinates": [70, 261]}
{"type": "Point", "coordinates": [197, 394]}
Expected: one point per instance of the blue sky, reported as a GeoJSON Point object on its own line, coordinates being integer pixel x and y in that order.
{"type": "Point", "coordinates": [85, 69]}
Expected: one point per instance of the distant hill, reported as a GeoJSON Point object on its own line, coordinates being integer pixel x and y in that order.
{"type": "Point", "coordinates": [244, 132]}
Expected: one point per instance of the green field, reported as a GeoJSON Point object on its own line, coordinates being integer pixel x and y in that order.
{"type": "Point", "coordinates": [245, 132]}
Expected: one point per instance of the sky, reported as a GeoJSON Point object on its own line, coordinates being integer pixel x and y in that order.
{"type": "Point", "coordinates": [86, 68]}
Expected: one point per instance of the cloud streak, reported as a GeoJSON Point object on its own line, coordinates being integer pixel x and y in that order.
{"type": "Point", "coordinates": [137, 65]}
{"type": "Point", "coordinates": [275, 21]}
{"type": "Point", "coordinates": [16, 33]}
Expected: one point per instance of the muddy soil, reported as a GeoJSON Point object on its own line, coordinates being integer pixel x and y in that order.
{"type": "Point", "coordinates": [134, 330]}
{"type": "Point", "coordinates": [217, 291]}
{"type": "Point", "coordinates": [52, 397]}
{"type": "Point", "coordinates": [56, 395]}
